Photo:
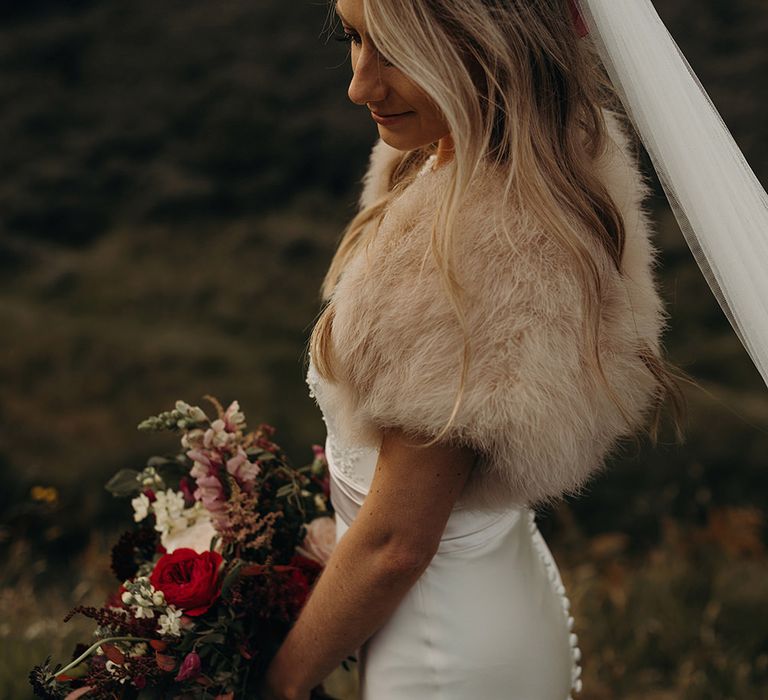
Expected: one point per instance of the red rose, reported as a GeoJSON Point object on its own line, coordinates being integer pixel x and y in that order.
{"type": "Point", "coordinates": [297, 581]}
{"type": "Point", "coordinates": [189, 580]}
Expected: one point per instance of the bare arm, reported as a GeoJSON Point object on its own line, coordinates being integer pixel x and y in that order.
{"type": "Point", "coordinates": [382, 554]}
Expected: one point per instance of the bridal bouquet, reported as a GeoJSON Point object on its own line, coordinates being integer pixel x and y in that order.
{"type": "Point", "coordinates": [227, 542]}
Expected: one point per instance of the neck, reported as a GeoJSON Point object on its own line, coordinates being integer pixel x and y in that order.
{"type": "Point", "coordinates": [445, 150]}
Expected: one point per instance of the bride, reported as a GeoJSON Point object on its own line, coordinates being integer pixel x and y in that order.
{"type": "Point", "coordinates": [492, 330]}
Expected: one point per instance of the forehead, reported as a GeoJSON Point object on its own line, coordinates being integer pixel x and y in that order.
{"type": "Point", "coordinates": [351, 11]}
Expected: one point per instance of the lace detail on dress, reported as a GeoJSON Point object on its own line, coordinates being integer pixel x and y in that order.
{"type": "Point", "coordinates": [344, 458]}
{"type": "Point", "coordinates": [557, 584]}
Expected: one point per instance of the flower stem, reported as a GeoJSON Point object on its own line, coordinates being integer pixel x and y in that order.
{"type": "Point", "coordinates": [95, 646]}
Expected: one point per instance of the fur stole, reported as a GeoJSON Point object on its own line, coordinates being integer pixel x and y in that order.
{"type": "Point", "coordinates": [539, 418]}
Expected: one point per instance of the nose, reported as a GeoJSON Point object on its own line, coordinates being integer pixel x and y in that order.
{"type": "Point", "coordinates": [368, 83]}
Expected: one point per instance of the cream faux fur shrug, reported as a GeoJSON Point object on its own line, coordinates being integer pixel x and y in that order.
{"type": "Point", "coordinates": [540, 420]}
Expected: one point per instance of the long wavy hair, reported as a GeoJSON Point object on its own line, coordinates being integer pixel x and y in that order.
{"type": "Point", "coordinates": [519, 88]}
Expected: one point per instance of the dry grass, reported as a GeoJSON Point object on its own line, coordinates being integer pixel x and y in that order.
{"type": "Point", "coordinates": [679, 621]}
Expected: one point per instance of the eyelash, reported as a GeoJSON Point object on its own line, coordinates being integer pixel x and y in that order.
{"type": "Point", "coordinates": [349, 37]}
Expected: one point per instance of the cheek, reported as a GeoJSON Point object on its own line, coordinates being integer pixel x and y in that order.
{"type": "Point", "coordinates": [354, 53]}
{"type": "Point", "coordinates": [434, 115]}
{"type": "Point", "coordinates": [430, 115]}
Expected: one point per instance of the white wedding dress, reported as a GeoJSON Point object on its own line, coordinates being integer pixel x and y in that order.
{"type": "Point", "coordinates": [487, 620]}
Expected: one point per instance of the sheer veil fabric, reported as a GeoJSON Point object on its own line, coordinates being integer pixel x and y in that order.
{"type": "Point", "coordinates": [720, 205]}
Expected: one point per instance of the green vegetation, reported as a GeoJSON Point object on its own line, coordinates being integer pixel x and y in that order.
{"type": "Point", "coordinates": [173, 179]}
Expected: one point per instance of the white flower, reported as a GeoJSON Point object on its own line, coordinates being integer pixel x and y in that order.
{"type": "Point", "coordinates": [139, 649]}
{"type": "Point", "coordinates": [149, 478]}
{"type": "Point", "coordinates": [117, 670]}
{"type": "Point", "coordinates": [140, 507]}
{"type": "Point", "coordinates": [320, 539]}
{"type": "Point", "coordinates": [217, 435]}
{"type": "Point", "coordinates": [193, 413]}
{"type": "Point", "coordinates": [234, 415]}
{"type": "Point", "coordinates": [142, 597]}
{"type": "Point", "coordinates": [320, 502]}
{"type": "Point", "coordinates": [196, 536]}
{"type": "Point", "coordinates": [170, 503]}
{"type": "Point", "coordinates": [193, 439]}
{"type": "Point", "coordinates": [142, 612]}
{"type": "Point", "coordinates": [183, 527]}
{"type": "Point", "coordinates": [168, 509]}
{"type": "Point", "coordinates": [170, 622]}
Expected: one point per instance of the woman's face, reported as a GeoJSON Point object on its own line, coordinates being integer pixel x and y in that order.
{"type": "Point", "coordinates": [405, 116]}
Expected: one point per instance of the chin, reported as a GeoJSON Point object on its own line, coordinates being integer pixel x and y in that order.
{"type": "Point", "coordinates": [402, 141]}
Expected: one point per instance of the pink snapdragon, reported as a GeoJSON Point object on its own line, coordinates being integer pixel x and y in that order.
{"type": "Point", "coordinates": [244, 471]}
{"type": "Point", "coordinates": [210, 459]}
{"type": "Point", "coordinates": [214, 450]}
{"type": "Point", "coordinates": [210, 492]}
{"type": "Point", "coordinates": [193, 439]}
{"type": "Point", "coordinates": [234, 418]}
{"type": "Point", "coordinates": [218, 437]}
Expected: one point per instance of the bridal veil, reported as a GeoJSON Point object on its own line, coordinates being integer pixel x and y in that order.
{"type": "Point", "coordinates": [720, 205]}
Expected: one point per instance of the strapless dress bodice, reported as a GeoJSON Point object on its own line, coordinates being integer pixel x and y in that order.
{"type": "Point", "coordinates": [488, 618]}
{"type": "Point", "coordinates": [352, 468]}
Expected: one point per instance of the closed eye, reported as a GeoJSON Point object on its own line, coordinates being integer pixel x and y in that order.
{"type": "Point", "coordinates": [349, 38]}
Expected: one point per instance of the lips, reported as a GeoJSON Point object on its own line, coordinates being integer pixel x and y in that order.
{"type": "Point", "coordinates": [389, 119]}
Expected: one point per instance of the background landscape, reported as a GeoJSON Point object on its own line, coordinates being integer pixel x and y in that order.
{"type": "Point", "coordinates": [174, 177]}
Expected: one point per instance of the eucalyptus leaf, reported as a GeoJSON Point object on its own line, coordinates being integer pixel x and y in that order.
{"type": "Point", "coordinates": [158, 462]}
{"type": "Point", "coordinates": [231, 577]}
{"type": "Point", "coordinates": [213, 638]}
{"type": "Point", "coordinates": [124, 483]}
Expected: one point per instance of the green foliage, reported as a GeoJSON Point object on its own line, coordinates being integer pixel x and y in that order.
{"type": "Point", "coordinates": [124, 483]}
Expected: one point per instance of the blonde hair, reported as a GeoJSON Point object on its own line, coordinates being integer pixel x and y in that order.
{"type": "Point", "coordinates": [518, 89]}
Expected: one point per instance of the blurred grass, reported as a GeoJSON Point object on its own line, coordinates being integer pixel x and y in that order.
{"type": "Point", "coordinates": [173, 178]}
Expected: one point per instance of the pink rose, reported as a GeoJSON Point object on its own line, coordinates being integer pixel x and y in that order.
{"type": "Point", "coordinates": [320, 540]}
